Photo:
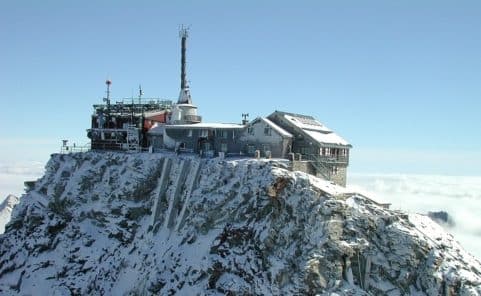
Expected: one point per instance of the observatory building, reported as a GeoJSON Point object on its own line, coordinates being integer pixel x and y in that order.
{"type": "Point", "coordinates": [152, 124]}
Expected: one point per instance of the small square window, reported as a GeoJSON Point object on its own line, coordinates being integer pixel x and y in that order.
{"type": "Point", "coordinates": [267, 131]}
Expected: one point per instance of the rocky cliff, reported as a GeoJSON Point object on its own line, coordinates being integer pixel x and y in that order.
{"type": "Point", "coordinates": [161, 224]}
{"type": "Point", "coordinates": [6, 208]}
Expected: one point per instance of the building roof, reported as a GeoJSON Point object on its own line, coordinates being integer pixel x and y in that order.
{"type": "Point", "coordinates": [313, 128]}
{"type": "Point", "coordinates": [157, 129]}
{"type": "Point", "coordinates": [327, 138]}
{"type": "Point", "coordinates": [204, 125]}
{"type": "Point", "coordinates": [275, 127]}
{"type": "Point", "coordinates": [306, 122]}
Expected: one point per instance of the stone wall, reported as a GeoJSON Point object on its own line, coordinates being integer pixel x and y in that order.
{"type": "Point", "coordinates": [303, 166]}
{"type": "Point", "coordinates": [341, 176]}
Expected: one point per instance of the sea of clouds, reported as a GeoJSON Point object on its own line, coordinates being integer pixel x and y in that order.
{"type": "Point", "coordinates": [459, 196]}
{"type": "Point", "coordinates": [12, 176]}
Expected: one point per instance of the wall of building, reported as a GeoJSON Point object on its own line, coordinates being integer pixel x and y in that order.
{"type": "Point", "coordinates": [260, 136]}
{"type": "Point", "coordinates": [339, 177]}
{"type": "Point", "coordinates": [206, 140]}
{"type": "Point", "coordinates": [303, 166]}
{"type": "Point", "coordinates": [300, 144]}
{"type": "Point", "coordinates": [156, 141]}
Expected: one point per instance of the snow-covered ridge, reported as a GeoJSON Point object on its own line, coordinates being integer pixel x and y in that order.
{"type": "Point", "coordinates": [116, 223]}
{"type": "Point", "coordinates": [6, 208]}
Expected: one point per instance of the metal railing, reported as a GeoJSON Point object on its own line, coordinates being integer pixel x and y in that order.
{"type": "Point", "coordinates": [126, 106]}
{"type": "Point", "coordinates": [332, 158]}
{"type": "Point", "coordinates": [320, 166]}
{"type": "Point", "coordinates": [74, 149]}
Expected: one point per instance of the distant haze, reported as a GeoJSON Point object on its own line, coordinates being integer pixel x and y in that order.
{"type": "Point", "coordinates": [459, 196]}
{"type": "Point", "coordinates": [12, 176]}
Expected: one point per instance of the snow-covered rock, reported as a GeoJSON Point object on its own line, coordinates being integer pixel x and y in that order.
{"type": "Point", "coordinates": [6, 208]}
{"type": "Point", "coordinates": [141, 224]}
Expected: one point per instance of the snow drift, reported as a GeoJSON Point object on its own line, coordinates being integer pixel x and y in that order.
{"type": "Point", "coordinates": [135, 224]}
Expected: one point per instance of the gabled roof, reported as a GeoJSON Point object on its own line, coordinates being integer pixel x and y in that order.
{"type": "Point", "coordinates": [313, 128]}
{"type": "Point", "coordinates": [304, 122]}
{"type": "Point", "coordinates": [327, 138]}
{"type": "Point", "coordinates": [274, 126]}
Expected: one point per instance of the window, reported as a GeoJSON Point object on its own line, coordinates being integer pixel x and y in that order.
{"type": "Point", "coordinates": [205, 146]}
{"type": "Point", "coordinates": [224, 134]}
{"type": "Point", "coordinates": [250, 130]}
{"type": "Point", "coordinates": [223, 147]}
{"type": "Point", "coordinates": [267, 131]}
{"type": "Point", "coordinates": [189, 133]}
{"type": "Point", "coordinates": [204, 133]}
{"type": "Point", "coordinates": [304, 150]}
{"type": "Point", "coordinates": [251, 149]}
{"type": "Point", "coordinates": [334, 170]}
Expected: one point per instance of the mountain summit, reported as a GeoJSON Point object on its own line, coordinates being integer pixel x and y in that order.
{"type": "Point", "coordinates": [161, 224]}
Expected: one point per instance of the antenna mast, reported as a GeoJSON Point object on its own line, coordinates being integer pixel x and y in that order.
{"type": "Point", "coordinates": [108, 82]}
{"type": "Point", "coordinates": [183, 34]}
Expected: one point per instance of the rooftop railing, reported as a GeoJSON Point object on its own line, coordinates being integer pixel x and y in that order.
{"type": "Point", "coordinates": [334, 159]}
{"type": "Point", "coordinates": [74, 148]}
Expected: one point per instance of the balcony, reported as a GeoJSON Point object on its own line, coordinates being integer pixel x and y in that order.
{"type": "Point", "coordinates": [334, 158]}
{"type": "Point", "coordinates": [331, 159]}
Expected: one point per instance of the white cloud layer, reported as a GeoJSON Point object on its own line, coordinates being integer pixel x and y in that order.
{"type": "Point", "coordinates": [459, 196]}
{"type": "Point", "coordinates": [12, 176]}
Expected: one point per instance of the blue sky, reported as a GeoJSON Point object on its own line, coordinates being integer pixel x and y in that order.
{"type": "Point", "coordinates": [400, 80]}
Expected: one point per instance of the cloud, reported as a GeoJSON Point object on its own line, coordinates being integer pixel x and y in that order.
{"type": "Point", "coordinates": [12, 176]}
{"type": "Point", "coordinates": [26, 169]}
{"type": "Point", "coordinates": [459, 196]}
{"type": "Point", "coordinates": [421, 161]}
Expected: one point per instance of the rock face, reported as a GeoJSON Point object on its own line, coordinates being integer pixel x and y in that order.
{"type": "Point", "coordinates": [160, 224]}
{"type": "Point", "coordinates": [6, 208]}
{"type": "Point", "coordinates": [442, 218]}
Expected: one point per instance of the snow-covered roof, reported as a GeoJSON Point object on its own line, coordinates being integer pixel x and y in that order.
{"type": "Point", "coordinates": [277, 128]}
{"type": "Point", "coordinates": [205, 126]}
{"type": "Point", "coordinates": [157, 129]}
{"type": "Point", "coordinates": [154, 113]}
{"type": "Point", "coordinates": [327, 138]}
{"type": "Point", "coordinates": [306, 123]}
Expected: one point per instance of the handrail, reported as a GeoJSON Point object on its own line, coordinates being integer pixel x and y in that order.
{"type": "Point", "coordinates": [74, 149]}
{"type": "Point", "coordinates": [334, 158]}
{"type": "Point", "coordinates": [327, 158]}
{"type": "Point", "coordinates": [135, 101]}
{"type": "Point", "coordinates": [320, 167]}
